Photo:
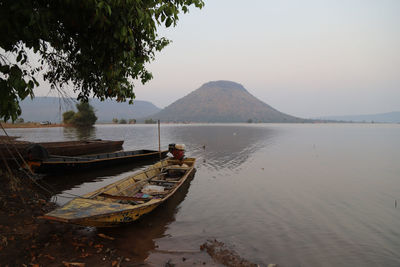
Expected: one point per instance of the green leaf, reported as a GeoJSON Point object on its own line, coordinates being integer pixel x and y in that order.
{"type": "Point", "coordinates": [168, 22]}
{"type": "Point", "coordinates": [99, 47]}
{"type": "Point", "coordinates": [31, 84]}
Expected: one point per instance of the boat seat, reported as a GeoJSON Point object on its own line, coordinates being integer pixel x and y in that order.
{"type": "Point", "coordinates": [175, 168]}
{"type": "Point", "coordinates": [165, 181]}
{"type": "Point", "coordinates": [124, 197]}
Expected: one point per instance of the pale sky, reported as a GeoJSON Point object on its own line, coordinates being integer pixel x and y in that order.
{"type": "Point", "coordinates": [307, 58]}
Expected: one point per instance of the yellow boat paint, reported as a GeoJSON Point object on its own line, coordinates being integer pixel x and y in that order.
{"type": "Point", "coordinates": [122, 202]}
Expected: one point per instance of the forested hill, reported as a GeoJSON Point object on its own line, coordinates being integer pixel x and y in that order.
{"type": "Point", "coordinates": [51, 109]}
{"type": "Point", "coordinates": [222, 101]}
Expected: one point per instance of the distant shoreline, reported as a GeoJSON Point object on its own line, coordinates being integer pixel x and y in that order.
{"type": "Point", "coordinates": [38, 125]}
{"type": "Point", "coordinates": [30, 125]}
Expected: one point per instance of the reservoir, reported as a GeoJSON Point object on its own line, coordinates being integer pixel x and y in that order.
{"type": "Point", "coordinates": [291, 194]}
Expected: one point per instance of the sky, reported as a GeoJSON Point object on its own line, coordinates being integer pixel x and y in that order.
{"type": "Point", "coordinates": [307, 58]}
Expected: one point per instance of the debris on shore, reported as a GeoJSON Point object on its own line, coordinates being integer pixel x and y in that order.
{"type": "Point", "coordinates": [26, 240]}
{"type": "Point", "coordinates": [220, 253]}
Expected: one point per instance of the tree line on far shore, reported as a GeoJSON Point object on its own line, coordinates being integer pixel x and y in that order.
{"type": "Point", "coordinates": [86, 117]}
{"type": "Point", "coordinates": [132, 121]}
{"type": "Point", "coordinates": [124, 121]}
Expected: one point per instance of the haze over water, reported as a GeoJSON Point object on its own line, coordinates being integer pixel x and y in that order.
{"type": "Point", "coordinates": [292, 194]}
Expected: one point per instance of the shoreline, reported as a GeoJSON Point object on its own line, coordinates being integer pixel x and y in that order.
{"type": "Point", "coordinates": [38, 125]}
{"type": "Point", "coordinates": [7, 125]}
{"type": "Point", "coordinates": [26, 239]}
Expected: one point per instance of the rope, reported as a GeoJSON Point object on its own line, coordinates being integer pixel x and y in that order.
{"type": "Point", "coordinates": [51, 191]}
{"type": "Point", "coordinates": [29, 175]}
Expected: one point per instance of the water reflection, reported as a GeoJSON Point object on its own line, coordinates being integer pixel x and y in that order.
{"type": "Point", "coordinates": [223, 146]}
{"type": "Point", "coordinates": [79, 133]}
{"type": "Point", "coordinates": [138, 239]}
{"type": "Point", "coordinates": [296, 195]}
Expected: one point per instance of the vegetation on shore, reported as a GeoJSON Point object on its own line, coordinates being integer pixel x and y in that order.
{"type": "Point", "coordinates": [85, 117]}
{"type": "Point", "coordinates": [123, 121]}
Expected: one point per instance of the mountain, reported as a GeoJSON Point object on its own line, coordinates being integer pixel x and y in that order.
{"type": "Point", "coordinates": [390, 117]}
{"type": "Point", "coordinates": [221, 101]}
{"type": "Point", "coordinates": [52, 108]}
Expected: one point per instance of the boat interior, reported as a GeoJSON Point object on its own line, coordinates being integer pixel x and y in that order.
{"type": "Point", "coordinates": [154, 183]}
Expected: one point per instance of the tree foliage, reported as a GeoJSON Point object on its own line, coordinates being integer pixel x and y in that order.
{"type": "Point", "coordinates": [68, 117]}
{"type": "Point", "coordinates": [150, 121]}
{"type": "Point", "coordinates": [99, 46]}
{"type": "Point", "coordinates": [85, 117]}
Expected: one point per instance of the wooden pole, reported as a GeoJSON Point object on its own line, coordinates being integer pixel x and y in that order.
{"type": "Point", "coordinates": [159, 140]}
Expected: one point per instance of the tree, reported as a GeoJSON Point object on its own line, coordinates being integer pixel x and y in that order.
{"type": "Point", "coordinates": [149, 121]}
{"type": "Point", "coordinates": [85, 117]}
{"type": "Point", "coordinates": [132, 121]}
{"type": "Point", "coordinates": [99, 46]}
{"type": "Point", "coordinates": [68, 117]}
{"type": "Point", "coordinates": [122, 121]}
{"type": "Point", "coordinates": [114, 120]}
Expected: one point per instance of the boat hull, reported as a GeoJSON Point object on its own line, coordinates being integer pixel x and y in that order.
{"type": "Point", "coordinates": [11, 148]}
{"type": "Point", "coordinates": [110, 220]}
{"type": "Point", "coordinates": [57, 164]}
{"type": "Point", "coordinates": [99, 209]}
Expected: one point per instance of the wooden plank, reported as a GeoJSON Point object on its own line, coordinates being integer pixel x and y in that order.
{"type": "Point", "coordinates": [124, 197]}
{"type": "Point", "coordinates": [165, 181]}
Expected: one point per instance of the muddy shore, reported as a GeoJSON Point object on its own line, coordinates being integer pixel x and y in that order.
{"type": "Point", "coordinates": [27, 240]}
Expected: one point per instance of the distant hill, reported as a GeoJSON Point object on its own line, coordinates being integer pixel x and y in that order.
{"type": "Point", "coordinates": [390, 117]}
{"type": "Point", "coordinates": [51, 109]}
{"type": "Point", "coordinates": [221, 101]}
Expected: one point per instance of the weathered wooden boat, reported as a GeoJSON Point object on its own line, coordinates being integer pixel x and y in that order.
{"type": "Point", "coordinates": [54, 164]}
{"type": "Point", "coordinates": [9, 147]}
{"type": "Point", "coordinates": [84, 147]}
{"type": "Point", "coordinates": [128, 199]}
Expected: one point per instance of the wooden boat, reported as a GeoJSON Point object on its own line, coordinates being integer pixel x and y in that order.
{"type": "Point", "coordinates": [128, 199]}
{"type": "Point", "coordinates": [54, 164]}
{"type": "Point", "coordinates": [84, 147]}
{"type": "Point", "coordinates": [8, 147]}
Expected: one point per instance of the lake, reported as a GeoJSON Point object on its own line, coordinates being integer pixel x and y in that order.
{"type": "Point", "coordinates": [292, 194]}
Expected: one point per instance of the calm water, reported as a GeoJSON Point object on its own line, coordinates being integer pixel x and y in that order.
{"type": "Point", "coordinates": [296, 195]}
